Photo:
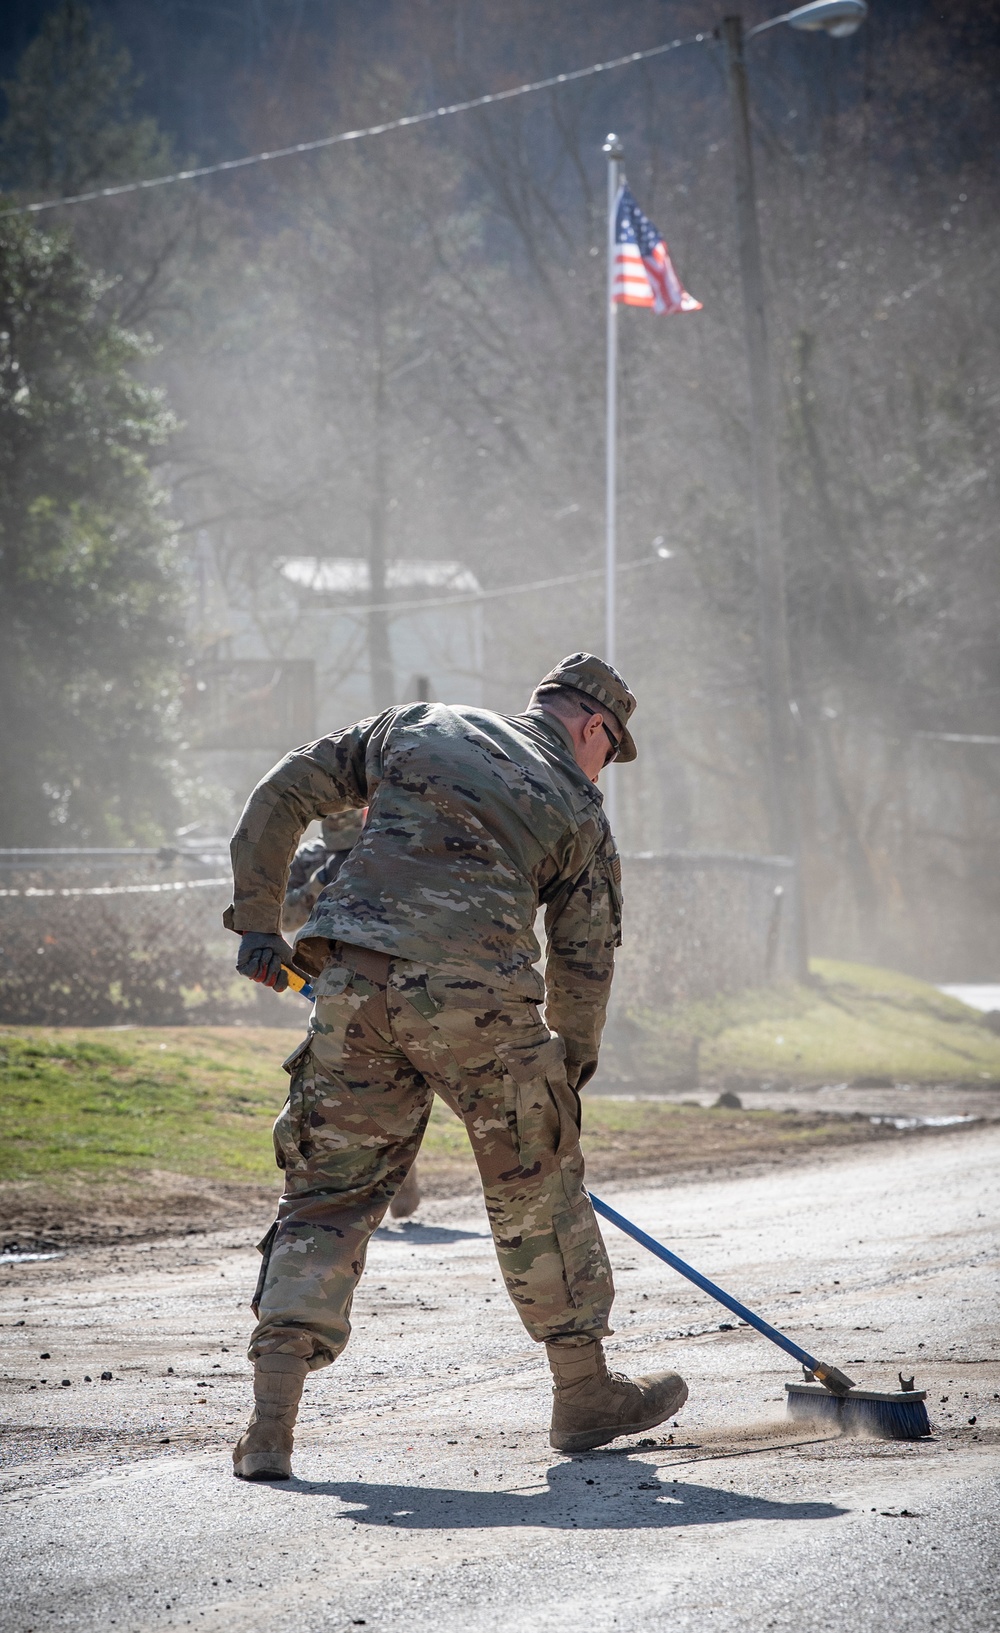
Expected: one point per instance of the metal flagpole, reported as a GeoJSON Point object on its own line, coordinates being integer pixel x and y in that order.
{"type": "Point", "coordinates": [615, 154]}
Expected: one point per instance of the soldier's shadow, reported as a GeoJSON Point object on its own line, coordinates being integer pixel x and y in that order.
{"type": "Point", "coordinates": [411, 1230]}
{"type": "Point", "coordinates": [578, 1496]}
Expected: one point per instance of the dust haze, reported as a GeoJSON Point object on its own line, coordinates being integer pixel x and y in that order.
{"type": "Point", "coordinates": [383, 366]}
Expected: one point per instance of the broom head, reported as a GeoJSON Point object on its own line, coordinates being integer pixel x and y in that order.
{"type": "Point", "coordinates": [890, 1415]}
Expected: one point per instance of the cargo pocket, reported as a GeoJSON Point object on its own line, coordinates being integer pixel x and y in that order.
{"type": "Point", "coordinates": [264, 1249]}
{"type": "Point", "coordinates": [537, 1076]}
{"type": "Point", "coordinates": [585, 1260]}
{"type": "Point", "coordinates": [287, 1130]}
{"type": "Point", "coordinates": [533, 1073]}
{"type": "Point", "coordinates": [280, 1136]}
{"type": "Point", "coordinates": [297, 1056]}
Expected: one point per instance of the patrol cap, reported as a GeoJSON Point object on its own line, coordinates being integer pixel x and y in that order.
{"type": "Point", "coordinates": [598, 680]}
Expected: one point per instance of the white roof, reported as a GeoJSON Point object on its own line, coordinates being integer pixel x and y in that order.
{"type": "Point", "coordinates": [351, 575]}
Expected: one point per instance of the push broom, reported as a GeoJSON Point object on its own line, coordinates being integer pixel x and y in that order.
{"type": "Point", "coordinates": [833, 1399]}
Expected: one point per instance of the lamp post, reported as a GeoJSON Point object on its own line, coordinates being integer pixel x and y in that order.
{"type": "Point", "coordinates": [839, 18]}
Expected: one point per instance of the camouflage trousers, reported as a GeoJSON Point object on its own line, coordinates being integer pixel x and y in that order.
{"type": "Point", "coordinates": [381, 1044]}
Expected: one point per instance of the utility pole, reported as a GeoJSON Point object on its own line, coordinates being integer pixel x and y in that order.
{"type": "Point", "coordinates": [783, 758]}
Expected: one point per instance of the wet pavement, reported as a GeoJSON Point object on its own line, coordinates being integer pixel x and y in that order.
{"type": "Point", "coordinates": [918, 1104]}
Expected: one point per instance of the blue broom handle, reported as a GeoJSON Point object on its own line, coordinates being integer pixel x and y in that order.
{"type": "Point", "coordinates": [703, 1282]}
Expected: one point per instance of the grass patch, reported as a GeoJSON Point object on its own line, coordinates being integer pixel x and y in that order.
{"type": "Point", "coordinates": [856, 1021]}
{"type": "Point", "coordinates": [200, 1101]}
{"type": "Point", "coordinates": [196, 1100]}
{"type": "Point", "coordinates": [85, 1106]}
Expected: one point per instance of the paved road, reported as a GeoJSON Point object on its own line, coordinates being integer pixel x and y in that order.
{"type": "Point", "coordinates": [426, 1494]}
{"type": "Point", "coordinates": [979, 996]}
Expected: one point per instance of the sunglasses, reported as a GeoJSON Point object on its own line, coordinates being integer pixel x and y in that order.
{"type": "Point", "coordinates": [612, 739]}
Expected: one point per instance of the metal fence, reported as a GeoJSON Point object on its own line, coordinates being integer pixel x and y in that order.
{"type": "Point", "coordinates": [106, 938]}
{"type": "Point", "coordinates": [117, 938]}
{"type": "Point", "coordinates": [699, 923]}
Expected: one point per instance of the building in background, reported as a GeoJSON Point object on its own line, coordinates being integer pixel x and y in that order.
{"type": "Point", "coordinates": [286, 661]}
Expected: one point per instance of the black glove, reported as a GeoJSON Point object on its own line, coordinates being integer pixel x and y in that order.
{"type": "Point", "coordinates": [261, 957]}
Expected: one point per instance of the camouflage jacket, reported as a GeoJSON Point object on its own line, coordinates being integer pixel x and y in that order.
{"type": "Point", "coordinates": [474, 820]}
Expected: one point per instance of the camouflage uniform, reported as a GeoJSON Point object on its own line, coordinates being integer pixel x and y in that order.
{"type": "Point", "coordinates": [474, 819]}
{"type": "Point", "coordinates": [316, 865]}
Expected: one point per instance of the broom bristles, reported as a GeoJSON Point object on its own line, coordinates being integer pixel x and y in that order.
{"type": "Point", "coordinates": [896, 1415]}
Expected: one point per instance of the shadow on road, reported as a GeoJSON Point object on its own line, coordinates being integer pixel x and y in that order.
{"type": "Point", "coordinates": [579, 1496]}
{"type": "Point", "coordinates": [411, 1230]}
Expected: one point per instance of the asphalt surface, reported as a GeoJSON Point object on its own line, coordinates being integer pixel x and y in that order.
{"type": "Point", "coordinates": [426, 1495]}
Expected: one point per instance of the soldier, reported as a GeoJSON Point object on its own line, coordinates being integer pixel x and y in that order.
{"type": "Point", "coordinates": [316, 865]}
{"type": "Point", "coordinates": [422, 955]}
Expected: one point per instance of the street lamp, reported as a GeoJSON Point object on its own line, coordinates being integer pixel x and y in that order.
{"type": "Point", "coordinates": [836, 17]}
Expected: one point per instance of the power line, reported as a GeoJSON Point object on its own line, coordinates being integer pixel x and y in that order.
{"type": "Point", "coordinates": [474, 596]}
{"type": "Point", "coordinates": [355, 135]}
{"type": "Point", "coordinates": [959, 737]}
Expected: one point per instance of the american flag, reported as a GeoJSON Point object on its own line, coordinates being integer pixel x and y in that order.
{"type": "Point", "coordinates": [643, 271]}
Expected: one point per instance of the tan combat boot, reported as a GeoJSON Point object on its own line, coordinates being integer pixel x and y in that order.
{"type": "Point", "coordinates": [591, 1405]}
{"type": "Point", "coordinates": [407, 1198]}
{"type": "Point", "coordinates": [264, 1449]}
